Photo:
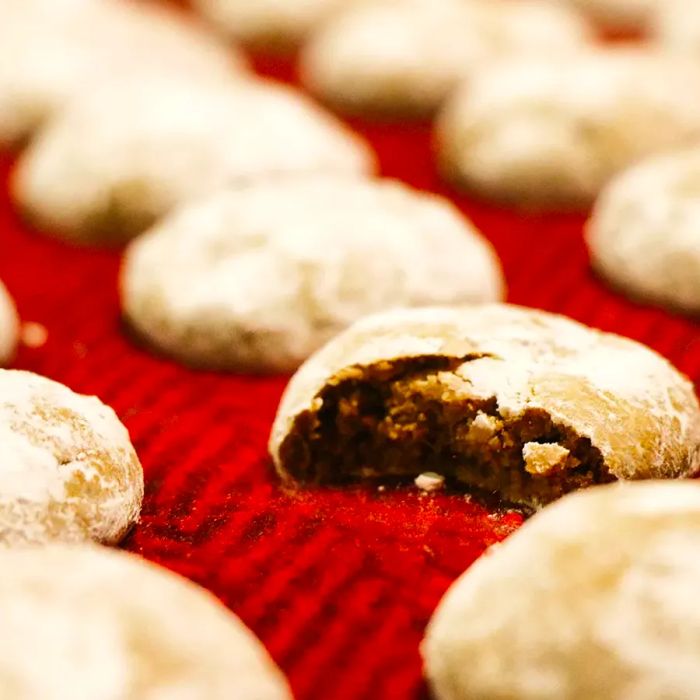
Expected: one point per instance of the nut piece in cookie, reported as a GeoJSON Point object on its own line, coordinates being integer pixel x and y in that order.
{"type": "Point", "coordinates": [257, 278]}
{"type": "Point", "coordinates": [546, 134]}
{"type": "Point", "coordinates": [9, 326]}
{"type": "Point", "coordinates": [85, 622]}
{"type": "Point", "coordinates": [496, 398]}
{"type": "Point", "coordinates": [594, 597]}
{"type": "Point", "coordinates": [69, 471]}
{"type": "Point", "coordinates": [114, 162]}
{"type": "Point", "coordinates": [643, 235]}
{"type": "Point", "coordinates": [402, 58]}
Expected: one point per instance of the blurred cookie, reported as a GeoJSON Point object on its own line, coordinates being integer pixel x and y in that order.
{"type": "Point", "coordinates": [498, 399]}
{"type": "Point", "coordinates": [619, 15]}
{"type": "Point", "coordinates": [69, 471]}
{"type": "Point", "coordinates": [643, 235]}
{"type": "Point", "coordinates": [277, 25]}
{"type": "Point", "coordinates": [258, 278]}
{"type": "Point", "coordinates": [117, 160]}
{"type": "Point", "coordinates": [404, 57]}
{"type": "Point", "coordinates": [594, 597]}
{"type": "Point", "coordinates": [676, 25]}
{"type": "Point", "coordinates": [100, 623]}
{"type": "Point", "coordinates": [550, 134]}
{"type": "Point", "coordinates": [52, 52]}
{"type": "Point", "coordinates": [9, 326]}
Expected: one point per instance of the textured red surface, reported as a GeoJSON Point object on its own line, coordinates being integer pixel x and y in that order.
{"type": "Point", "coordinates": [338, 584]}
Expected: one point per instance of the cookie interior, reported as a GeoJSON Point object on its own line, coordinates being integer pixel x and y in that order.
{"type": "Point", "coordinates": [396, 419]}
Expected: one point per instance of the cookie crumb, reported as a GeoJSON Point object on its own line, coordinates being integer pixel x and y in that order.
{"type": "Point", "coordinates": [34, 335]}
{"type": "Point", "coordinates": [429, 481]}
{"type": "Point", "coordinates": [544, 458]}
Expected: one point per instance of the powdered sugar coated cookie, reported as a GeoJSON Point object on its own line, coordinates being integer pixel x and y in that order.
{"type": "Point", "coordinates": [257, 278]}
{"type": "Point", "coordinates": [594, 597]}
{"type": "Point", "coordinates": [101, 623]}
{"type": "Point", "coordinates": [52, 52]}
{"type": "Point", "coordinates": [643, 234]}
{"type": "Point", "coordinates": [496, 398]}
{"type": "Point", "coordinates": [114, 162]}
{"type": "Point", "coordinates": [403, 57]}
{"type": "Point", "coordinates": [69, 471]}
{"type": "Point", "coordinates": [552, 133]}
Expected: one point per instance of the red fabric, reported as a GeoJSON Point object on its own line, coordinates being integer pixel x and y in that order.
{"type": "Point", "coordinates": [338, 584]}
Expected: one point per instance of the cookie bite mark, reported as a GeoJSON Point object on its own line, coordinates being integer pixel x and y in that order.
{"type": "Point", "coordinates": [397, 419]}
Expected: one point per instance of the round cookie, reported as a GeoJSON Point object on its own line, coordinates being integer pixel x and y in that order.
{"type": "Point", "coordinates": [498, 399]}
{"type": "Point", "coordinates": [404, 57]}
{"type": "Point", "coordinates": [52, 52]}
{"type": "Point", "coordinates": [100, 623]}
{"type": "Point", "coordinates": [550, 134]}
{"type": "Point", "coordinates": [277, 25]}
{"type": "Point", "coordinates": [643, 235]}
{"type": "Point", "coordinates": [9, 326]}
{"type": "Point", "coordinates": [619, 15]}
{"type": "Point", "coordinates": [676, 25]}
{"type": "Point", "coordinates": [258, 278]}
{"type": "Point", "coordinates": [69, 471]}
{"type": "Point", "coordinates": [117, 160]}
{"type": "Point", "coordinates": [594, 597]}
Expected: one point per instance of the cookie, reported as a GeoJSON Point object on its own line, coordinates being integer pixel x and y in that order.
{"type": "Point", "coordinates": [676, 25]}
{"type": "Point", "coordinates": [52, 52]}
{"type": "Point", "coordinates": [619, 15]}
{"type": "Point", "coordinates": [9, 326]}
{"type": "Point", "coordinates": [643, 235]}
{"type": "Point", "coordinates": [102, 623]}
{"type": "Point", "coordinates": [258, 278]}
{"type": "Point", "coordinates": [550, 134]}
{"type": "Point", "coordinates": [117, 160]}
{"type": "Point", "coordinates": [591, 598]}
{"type": "Point", "coordinates": [69, 471]}
{"type": "Point", "coordinates": [404, 57]}
{"type": "Point", "coordinates": [498, 399]}
{"type": "Point", "coordinates": [271, 25]}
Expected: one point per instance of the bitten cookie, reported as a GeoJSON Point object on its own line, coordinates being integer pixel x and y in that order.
{"type": "Point", "coordinates": [9, 326]}
{"type": "Point", "coordinates": [82, 623]}
{"type": "Point", "coordinates": [619, 15]}
{"type": "Point", "coordinates": [69, 471]}
{"type": "Point", "coordinates": [277, 25]}
{"type": "Point", "coordinates": [256, 279]}
{"type": "Point", "coordinates": [643, 235]}
{"type": "Point", "coordinates": [550, 134]}
{"type": "Point", "coordinates": [52, 52]}
{"type": "Point", "coordinates": [676, 25]}
{"type": "Point", "coordinates": [594, 597]}
{"type": "Point", "coordinates": [117, 160]}
{"type": "Point", "coordinates": [403, 57]}
{"type": "Point", "coordinates": [496, 398]}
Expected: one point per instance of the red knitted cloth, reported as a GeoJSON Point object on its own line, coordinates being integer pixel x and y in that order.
{"type": "Point", "coordinates": [338, 584]}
